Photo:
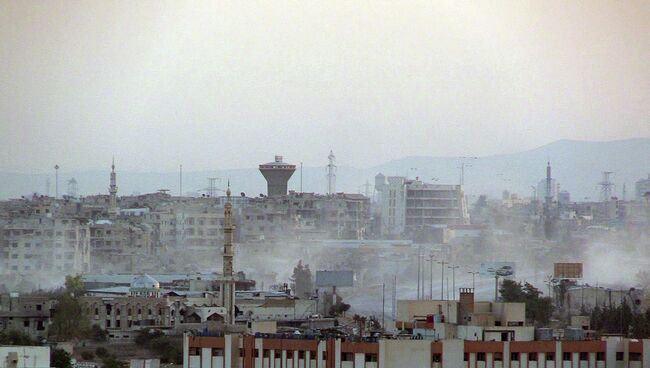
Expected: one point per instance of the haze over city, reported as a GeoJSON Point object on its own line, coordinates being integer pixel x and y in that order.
{"type": "Point", "coordinates": [216, 85]}
{"type": "Point", "coordinates": [340, 184]}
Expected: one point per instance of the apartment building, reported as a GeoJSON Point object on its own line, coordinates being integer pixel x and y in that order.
{"type": "Point", "coordinates": [43, 244]}
{"type": "Point", "coordinates": [279, 351]}
{"type": "Point", "coordinates": [411, 208]}
{"type": "Point", "coordinates": [117, 245]}
{"type": "Point", "coordinates": [30, 315]}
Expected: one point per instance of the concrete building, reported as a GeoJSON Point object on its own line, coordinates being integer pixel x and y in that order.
{"type": "Point", "coordinates": [24, 356]}
{"type": "Point", "coordinates": [641, 187]}
{"type": "Point", "coordinates": [413, 208]}
{"type": "Point", "coordinates": [305, 216]}
{"type": "Point", "coordinates": [146, 304]}
{"type": "Point", "coordinates": [119, 246]}
{"type": "Point", "coordinates": [464, 319]}
{"type": "Point", "coordinates": [277, 175]}
{"type": "Point", "coordinates": [30, 315]}
{"type": "Point", "coordinates": [57, 245]}
{"type": "Point", "coordinates": [277, 351]}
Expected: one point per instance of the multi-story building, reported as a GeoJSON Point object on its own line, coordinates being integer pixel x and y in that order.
{"type": "Point", "coordinates": [43, 244]}
{"type": "Point", "coordinates": [119, 244]}
{"type": "Point", "coordinates": [277, 350]}
{"type": "Point", "coordinates": [411, 207]}
{"type": "Point", "coordinates": [642, 187]}
{"type": "Point", "coordinates": [305, 216]}
{"type": "Point", "coordinates": [30, 315]}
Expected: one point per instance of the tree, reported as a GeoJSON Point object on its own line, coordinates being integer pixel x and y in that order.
{"type": "Point", "coordinates": [60, 358]}
{"type": "Point", "coordinates": [14, 337]}
{"type": "Point", "coordinates": [301, 281]}
{"type": "Point", "coordinates": [69, 319]}
{"type": "Point", "coordinates": [74, 285]}
{"type": "Point", "coordinates": [538, 308]}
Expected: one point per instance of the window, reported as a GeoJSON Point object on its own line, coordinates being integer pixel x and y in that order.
{"type": "Point", "coordinates": [466, 357]}
{"type": "Point", "coordinates": [301, 354]}
{"type": "Point", "coordinates": [437, 358]}
{"type": "Point", "coordinates": [39, 307]}
{"type": "Point", "coordinates": [550, 356]}
{"type": "Point", "coordinates": [26, 323]}
{"type": "Point", "coordinates": [480, 357]}
{"type": "Point", "coordinates": [532, 357]}
{"type": "Point", "coordinates": [566, 357]}
{"type": "Point", "coordinates": [600, 356]}
{"type": "Point", "coordinates": [371, 357]}
{"type": "Point", "coordinates": [347, 357]}
{"type": "Point", "coordinates": [584, 356]}
{"type": "Point", "coordinates": [498, 357]}
{"type": "Point", "coordinates": [217, 352]}
{"type": "Point", "coordinates": [195, 351]}
{"type": "Point", "coordinates": [635, 357]}
{"type": "Point", "coordinates": [514, 357]}
{"type": "Point", "coordinates": [620, 355]}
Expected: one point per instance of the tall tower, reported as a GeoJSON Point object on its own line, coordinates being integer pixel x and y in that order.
{"type": "Point", "coordinates": [228, 295]}
{"type": "Point", "coordinates": [112, 190]}
{"type": "Point", "coordinates": [606, 186]}
{"type": "Point", "coordinates": [331, 174]}
{"type": "Point", "coordinates": [73, 187]}
{"type": "Point", "coordinates": [549, 188]}
{"type": "Point", "coordinates": [277, 175]}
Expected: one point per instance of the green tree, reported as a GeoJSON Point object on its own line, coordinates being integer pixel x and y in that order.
{"type": "Point", "coordinates": [69, 320]}
{"type": "Point", "coordinates": [14, 337]}
{"type": "Point", "coordinates": [60, 358]}
{"type": "Point", "coordinates": [74, 285]}
{"type": "Point", "coordinates": [538, 309]}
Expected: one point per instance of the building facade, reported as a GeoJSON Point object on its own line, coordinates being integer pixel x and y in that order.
{"type": "Point", "coordinates": [412, 207]}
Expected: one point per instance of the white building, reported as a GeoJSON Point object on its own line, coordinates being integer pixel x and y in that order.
{"type": "Point", "coordinates": [24, 356]}
{"type": "Point", "coordinates": [642, 186]}
{"type": "Point", "coordinates": [409, 207]}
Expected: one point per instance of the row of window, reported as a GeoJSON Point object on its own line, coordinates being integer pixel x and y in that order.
{"type": "Point", "coordinates": [566, 356]}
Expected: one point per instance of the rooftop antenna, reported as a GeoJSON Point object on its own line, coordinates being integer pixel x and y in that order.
{"type": "Point", "coordinates": [331, 174]}
{"type": "Point", "coordinates": [606, 186]}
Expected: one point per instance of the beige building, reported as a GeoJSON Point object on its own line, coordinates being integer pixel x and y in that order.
{"type": "Point", "coordinates": [30, 315]}
{"type": "Point", "coordinates": [57, 245]}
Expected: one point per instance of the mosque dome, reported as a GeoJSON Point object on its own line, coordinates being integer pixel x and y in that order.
{"type": "Point", "coordinates": [145, 282]}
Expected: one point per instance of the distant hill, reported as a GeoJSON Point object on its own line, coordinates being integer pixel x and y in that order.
{"type": "Point", "coordinates": [577, 165]}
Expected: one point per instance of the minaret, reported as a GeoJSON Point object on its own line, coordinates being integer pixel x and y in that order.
{"type": "Point", "coordinates": [228, 254]}
{"type": "Point", "coordinates": [112, 190]}
{"type": "Point", "coordinates": [331, 173]}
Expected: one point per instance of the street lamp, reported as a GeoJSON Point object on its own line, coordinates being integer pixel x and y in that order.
{"type": "Point", "coordinates": [453, 280]}
{"type": "Point", "coordinates": [56, 185]}
{"type": "Point", "coordinates": [473, 273]}
{"type": "Point", "coordinates": [442, 279]}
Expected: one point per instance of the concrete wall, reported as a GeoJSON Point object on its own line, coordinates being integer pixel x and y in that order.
{"type": "Point", "coordinates": [24, 356]}
{"type": "Point", "coordinates": [404, 353]}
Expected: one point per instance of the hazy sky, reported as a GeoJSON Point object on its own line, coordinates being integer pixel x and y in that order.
{"type": "Point", "coordinates": [218, 85]}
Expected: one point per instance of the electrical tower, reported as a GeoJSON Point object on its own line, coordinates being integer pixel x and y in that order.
{"type": "Point", "coordinates": [72, 188]}
{"type": "Point", "coordinates": [606, 186]}
{"type": "Point", "coordinates": [212, 187]}
{"type": "Point", "coordinates": [331, 174]}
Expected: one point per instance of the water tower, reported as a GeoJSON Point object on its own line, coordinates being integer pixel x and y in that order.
{"type": "Point", "coordinates": [277, 175]}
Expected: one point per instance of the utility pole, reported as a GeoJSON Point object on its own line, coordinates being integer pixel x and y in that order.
{"type": "Point", "coordinates": [301, 177]}
{"type": "Point", "coordinates": [453, 280]}
{"type": "Point", "coordinates": [418, 259]}
{"type": "Point", "coordinates": [56, 185]}
{"type": "Point", "coordinates": [474, 273]}
{"type": "Point", "coordinates": [383, 302]}
{"type": "Point", "coordinates": [431, 276]}
{"type": "Point", "coordinates": [442, 279]}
